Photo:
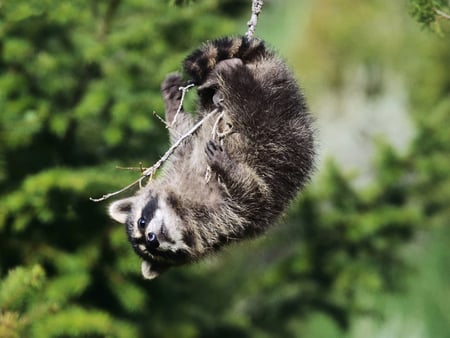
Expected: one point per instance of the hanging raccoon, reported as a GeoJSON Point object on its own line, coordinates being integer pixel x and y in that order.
{"type": "Point", "coordinates": [256, 169]}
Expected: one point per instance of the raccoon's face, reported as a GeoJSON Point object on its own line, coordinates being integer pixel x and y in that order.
{"type": "Point", "coordinates": [154, 229]}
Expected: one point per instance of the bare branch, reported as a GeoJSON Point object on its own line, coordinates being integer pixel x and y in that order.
{"type": "Point", "coordinates": [184, 91]}
{"type": "Point", "coordinates": [141, 168]}
{"type": "Point", "coordinates": [105, 197]}
{"type": "Point", "coordinates": [149, 172]}
{"type": "Point", "coordinates": [183, 94]}
{"type": "Point", "coordinates": [256, 9]}
{"type": "Point", "coordinates": [155, 114]}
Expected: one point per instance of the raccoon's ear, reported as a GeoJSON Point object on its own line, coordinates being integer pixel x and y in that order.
{"type": "Point", "coordinates": [119, 210]}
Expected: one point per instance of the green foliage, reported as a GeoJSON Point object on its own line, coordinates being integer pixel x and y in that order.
{"type": "Point", "coordinates": [29, 309]}
{"type": "Point", "coordinates": [79, 81]}
{"type": "Point", "coordinates": [71, 73]}
{"type": "Point", "coordinates": [18, 287]}
{"type": "Point", "coordinates": [341, 255]}
{"type": "Point", "coordinates": [16, 292]}
{"type": "Point", "coordinates": [433, 168]}
{"type": "Point", "coordinates": [429, 12]}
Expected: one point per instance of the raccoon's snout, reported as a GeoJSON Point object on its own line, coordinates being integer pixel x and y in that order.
{"type": "Point", "coordinates": [151, 240]}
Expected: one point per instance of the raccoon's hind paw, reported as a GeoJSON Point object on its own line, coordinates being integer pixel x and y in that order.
{"type": "Point", "coordinates": [217, 157]}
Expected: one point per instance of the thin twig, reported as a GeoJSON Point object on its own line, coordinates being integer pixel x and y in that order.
{"type": "Point", "coordinates": [168, 126]}
{"type": "Point", "coordinates": [149, 172]}
{"type": "Point", "coordinates": [105, 197]}
{"type": "Point", "coordinates": [216, 124]}
{"type": "Point", "coordinates": [155, 114]}
{"type": "Point", "coordinates": [256, 9]}
{"type": "Point", "coordinates": [183, 93]}
{"type": "Point", "coordinates": [141, 169]}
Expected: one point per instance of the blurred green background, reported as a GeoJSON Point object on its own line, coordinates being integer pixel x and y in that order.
{"type": "Point", "coordinates": [362, 253]}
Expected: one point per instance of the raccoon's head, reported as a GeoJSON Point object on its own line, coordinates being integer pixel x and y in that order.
{"type": "Point", "coordinates": [154, 229]}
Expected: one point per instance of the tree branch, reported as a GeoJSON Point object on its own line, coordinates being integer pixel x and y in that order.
{"type": "Point", "coordinates": [256, 9]}
{"type": "Point", "coordinates": [184, 90]}
{"type": "Point", "coordinates": [151, 171]}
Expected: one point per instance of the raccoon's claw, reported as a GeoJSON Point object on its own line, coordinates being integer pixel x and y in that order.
{"type": "Point", "coordinates": [216, 157]}
{"type": "Point", "coordinates": [218, 99]}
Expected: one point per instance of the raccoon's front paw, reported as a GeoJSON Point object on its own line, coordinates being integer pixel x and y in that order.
{"type": "Point", "coordinates": [170, 88]}
{"type": "Point", "coordinates": [216, 157]}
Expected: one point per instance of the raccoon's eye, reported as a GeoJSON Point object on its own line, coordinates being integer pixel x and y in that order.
{"type": "Point", "coordinates": [141, 223]}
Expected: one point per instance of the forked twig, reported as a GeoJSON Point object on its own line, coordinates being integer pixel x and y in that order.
{"type": "Point", "coordinates": [149, 172]}
{"type": "Point", "coordinates": [184, 90]}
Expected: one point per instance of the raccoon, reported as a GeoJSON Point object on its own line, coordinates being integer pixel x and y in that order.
{"type": "Point", "coordinates": [261, 164]}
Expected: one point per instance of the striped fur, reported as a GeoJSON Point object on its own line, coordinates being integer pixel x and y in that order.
{"type": "Point", "coordinates": [203, 60]}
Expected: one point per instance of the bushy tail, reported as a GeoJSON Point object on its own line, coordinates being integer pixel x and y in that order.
{"type": "Point", "coordinates": [203, 60]}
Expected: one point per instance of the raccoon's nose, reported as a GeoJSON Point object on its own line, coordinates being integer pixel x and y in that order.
{"type": "Point", "coordinates": [152, 240]}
